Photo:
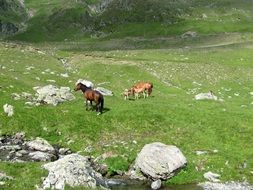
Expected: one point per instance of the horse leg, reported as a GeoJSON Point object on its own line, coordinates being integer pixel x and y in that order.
{"type": "Point", "coordinates": [91, 105]}
{"type": "Point", "coordinates": [86, 104]}
{"type": "Point", "coordinates": [136, 96]}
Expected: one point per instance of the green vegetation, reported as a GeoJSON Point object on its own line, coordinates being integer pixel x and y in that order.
{"type": "Point", "coordinates": [121, 48]}
{"type": "Point", "coordinates": [76, 21]}
{"type": "Point", "coordinates": [171, 115]}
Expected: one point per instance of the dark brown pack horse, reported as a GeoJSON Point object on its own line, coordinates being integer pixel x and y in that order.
{"type": "Point", "coordinates": [91, 95]}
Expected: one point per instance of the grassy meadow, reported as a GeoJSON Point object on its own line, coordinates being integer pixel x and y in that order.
{"type": "Point", "coordinates": [170, 115]}
{"type": "Point", "coordinates": [128, 48]}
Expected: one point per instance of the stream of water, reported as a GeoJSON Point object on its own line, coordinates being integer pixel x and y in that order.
{"type": "Point", "coordinates": [131, 185]}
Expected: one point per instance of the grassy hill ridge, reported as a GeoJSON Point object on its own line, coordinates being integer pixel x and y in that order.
{"type": "Point", "coordinates": [79, 20]}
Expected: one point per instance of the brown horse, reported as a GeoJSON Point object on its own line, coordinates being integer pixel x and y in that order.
{"type": "Point", "coordinates": [91, 95]}
{"type": "Point", "coordinates": [142, 87]}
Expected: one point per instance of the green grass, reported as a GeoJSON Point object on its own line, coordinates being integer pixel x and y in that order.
{"type": "Point", "coordinates": [171, 115]}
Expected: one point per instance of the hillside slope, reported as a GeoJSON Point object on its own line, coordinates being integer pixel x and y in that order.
{"type": "Point", "coordinates": [13, 16]}
{"type": "Point", "coordinates": [80, 20]}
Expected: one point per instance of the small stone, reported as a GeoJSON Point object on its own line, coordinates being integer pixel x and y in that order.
{"type": "Point", "coordinates": [156, 184]}
{"type": "Point", "coordinates": [199, 152]}
{"type": "Point", "coordinates": [213, 177]}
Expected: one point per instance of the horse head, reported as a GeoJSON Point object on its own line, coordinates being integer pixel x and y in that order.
{"type": "Point", "coordinates": [78, 87]}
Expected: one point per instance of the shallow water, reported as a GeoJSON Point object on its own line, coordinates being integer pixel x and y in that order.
{"type": "Point", "coordinates": [146, 187]}
{"type": "Point", "coordinates": [139, 186]}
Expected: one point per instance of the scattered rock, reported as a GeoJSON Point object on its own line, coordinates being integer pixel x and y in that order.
{"type": "Point", "coordinates": [8, 109]}
{"type": "Point", "coordinates": [65, 75]}
{"type": "Point", "coordinates": [213, 177]}
{"type": "Point", "coordinates": [74, 170]}
{"type": "Point", "coordinates": [206, 96]}
{"type": "Point", "coordinates": [156, 184]}
{"type": "Point", "coordinates": [4, 177]}
{"type": "Point", "coordinates": [189, 34]}
{"type": "Point", "coordinates": [158, 161]}
{"type": "Point", "coordinates": [50, 80]}
{"type": "Point", "coordinates": [199, 152]}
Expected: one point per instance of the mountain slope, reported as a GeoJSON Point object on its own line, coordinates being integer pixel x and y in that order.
{"type": "Point", "coordinates": [78, 19]}
{"type": "Point", "coordinates": [12, 16]}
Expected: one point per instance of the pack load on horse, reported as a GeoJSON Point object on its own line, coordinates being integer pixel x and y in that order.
{"type": "Point", "coordinates": [91, 95]}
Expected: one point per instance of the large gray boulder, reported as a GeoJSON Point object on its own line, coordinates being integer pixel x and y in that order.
{"type": "Point", "coordinates": [74, 170]}
{"type": "Point", "coordinates": [159, 161]}
{"type": "Point", "coordinates": [52, 95]}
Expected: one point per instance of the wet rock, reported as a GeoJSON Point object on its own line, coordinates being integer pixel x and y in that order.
{"type": "Point", "coordinates": [74, 170]}
{"type": "Point", "coordinates": [156, 184]}
{"type": "Point", "coordinates": [10, 147]}
{"type": "Point", "coordinates": [40, 144]}
{"type": "Point", "coordinates": [64, 151]}
{"type": "Point", "coordinates": [159, 161]}
{"type": "Point", "coordinates": [42, 156]}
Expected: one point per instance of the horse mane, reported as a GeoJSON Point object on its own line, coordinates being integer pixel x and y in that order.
{"type": "Point", "coordinates": [83, 86]}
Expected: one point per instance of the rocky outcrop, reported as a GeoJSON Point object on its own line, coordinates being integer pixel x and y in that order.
{"type": "Point", "coordinates": [8, 28]}
{"type": "Point", "coordinates": [13, 16]}
{"type": "Point", "coordinates": [17, 149]}
{"type": "Point", "coordinates": [158, 161]}
{"type": "Point", "coordinates": [73, 170]}
{"type": "Point", "coordinates": [48, 94]}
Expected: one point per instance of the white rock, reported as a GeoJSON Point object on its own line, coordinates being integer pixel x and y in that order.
{"type": "Point", "coordinates": [206, 96]}
{"type": "Point", "coordinates": [41, 156]}
{"type": "Point", "coordinates": [52, 95]}
{"type": "Point", "coordinates": [40, 144]}
{"type": "Point", "coordinates": [213, 177]}
{"type": "Point", "coordinates": [65, 75]}
{"type": "Point", "coordinates": [156, 184]}
{"type": "Point", "coordinates": [74, 170]}
{"type": "Point", "coordinates": [159, 161]}
{"type": "Point", "coordinates": [199, 152]}
{"type": "Point", "coordinates": [8, 109]}
{"type": "Point", "coordinates": [50, 80]}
